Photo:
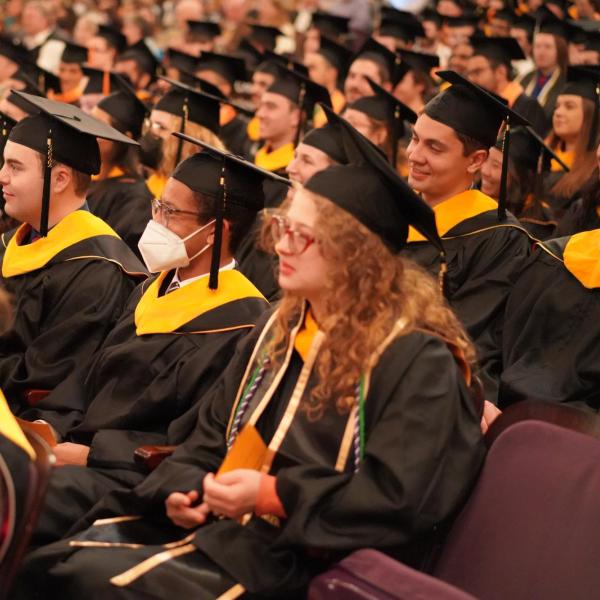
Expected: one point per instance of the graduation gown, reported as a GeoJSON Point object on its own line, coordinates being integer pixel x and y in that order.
{"type": "Point", "coordinates": [531, 109]}
{"type": "Point", "coordinates": [233, 133]}
{"type": "Point", "coordinates": [419, 453]}
{"type": "Point", "coordinates": [552, 325]}
{"type": "Point", "coordinates": [124, 203]}
{"type": "Point", "coordinates": [484, 259]}
{"type": "Point", "coordinates": [69, 290]}
{"type": "Point", "coordinates": [142, 387]}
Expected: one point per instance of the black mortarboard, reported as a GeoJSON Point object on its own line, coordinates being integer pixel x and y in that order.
{"type": "Point", "coordinates": [250, 54]}
{"type": "Point", "coordinates": [113, 36]}
{"type": "Point", "coordinates": [264, 36]}
{"type": "Point", "coordinates": [525, 22]}
{"type": "Point", "coordinates": [303, 92]}
{"type": "Point", "coordinates": [231, 68]}
{"type": "Point", "coordinates": [182, 61]}
{"type": "Point", "coordinates": [143, 56]}
{"type": "Point", "coordinates": [384, 106]}
{"type": "Point", "coordinates": [467, 20]}
{"type": "Point", "coordinates": [431, 15]}
{"type": "Point", "coordinates": [15, 52]}
{"type": "Point", "coordinates": [125, 108]}
{"type": "Point", "coordinates": [501, 49]}
{"type": "Point", "coordinates": [472, 111]}
{"type": "Point", "coordinates": [373, 49]}
{"type": "Point", "coordinates": [327, 139]}
{"type": "Point", "coordinates": [230, 180]}
{"type": "Point", "coordinates": [418, 61]}
{"type": "Point", "coordinates": [286, 62]}
{"type": "Point", "coordinates": [38, 81]}
{"type": "Point", "coordinates": [62, 133]}
{"type": "Point", "coordinates": [335, 54]}
{"type": "Point", "coordinates": [592, 40]}
{"type": "Point", "coordinates": [371, 190]}
{"type": "Point", "coordinates": [73, 53]}
{"type": "Point", "coordinates": [400, 24]}
{"type": "Point", "coordinates": [205, 29]}
{"type": "Point", "coordinates": [585, 82]}
{"type": "Point", "coordinates": [548, 22]}
{"type": "Point", "coordinates": [330, 25]}
{"type": "Point", "coordinates": [103, 82]}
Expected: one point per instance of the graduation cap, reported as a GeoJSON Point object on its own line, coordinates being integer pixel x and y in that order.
{"type": "Point", "coordinates": [330, 25]}
{"type": "Point", "coordinates": [205, 29]}
{"type": "Point", "coordinates": [472, 111]}
{"type": "Point", "coordinates": [189, 104]}
{"type": "Point", "coordinates": [525, 22]}
{"type": "Point", "coordinates": [302, 92]}
{"type": "Point", "coordinates": [230, 179]}
{"type": "Point", "coordinates": [400, 24]}
{"type": "Point", "coordinates": [335, 54]}
{"type": "Point", "coordinates": [465, 20]}
{"type": "Point", "coordinates": [103, 82]}
{"type": "Point", "coordinates": [383, 106]}
{"type": "Point", "coordinates": [327, 139]}
{"type": "Point", "coordinates": [182, 61]}
{"type": "Point", "coordinates": [250, 54]}
{"type": "Point", "coordinates": [38, 81]}
{"type": "Point", "coordinates": [429, 14]}
{"type": "Point", "coordinates": [286, 62]}
{"type": "Point", "coordinates": [585, 83]}
{"type": "Point", "coordinates": [548, 22]}
{"type": "Point", "coordinates": [592, 40]}
{"type": "Point", "coordinates": [113, 36]}
{"type": "Point", "coordinates": [74, 54]}
{"type": "Point", "coordinates": [62, 133]}
{"type": "Point", "coordinates": [229, 67]}
{"type": "Point", "coordinates": [371, 190]}
{"type": "Point", "coordinates": [126, 108]}
{"type": "Point", "coordinates": [373, 50]}
{"type": "Point", "coordinates": [418, 61]}
{"type": "Point", "coordinates": [143, 56]}
{"type": "Point", "coordinates": [500, 49]}
{"type": "Point", "coordinates": [15, 52]}
{"type": "Point", "coordinates": [504, 14]}
{"type": "Point", "coordinates": [264, 36]}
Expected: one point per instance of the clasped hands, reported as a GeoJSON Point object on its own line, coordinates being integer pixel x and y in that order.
{"type": "Point", "coordinates": [231, 494]}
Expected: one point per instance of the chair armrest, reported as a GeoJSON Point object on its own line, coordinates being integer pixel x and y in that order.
{"type": "Point", "coordinates": [150, 457]}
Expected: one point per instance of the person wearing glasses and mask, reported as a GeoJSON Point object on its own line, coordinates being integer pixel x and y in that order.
{"type": "Point", "coordinates": [177, 334]}
{"type": "Point", "coordinates": [342, 428]}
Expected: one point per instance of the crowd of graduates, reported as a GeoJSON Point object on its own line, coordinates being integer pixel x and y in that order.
{"type": "Point", "coordinates": [271, 269]}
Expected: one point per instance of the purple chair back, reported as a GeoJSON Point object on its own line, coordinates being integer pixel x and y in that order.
{"type": "Point", "coordinates": [531, 528]}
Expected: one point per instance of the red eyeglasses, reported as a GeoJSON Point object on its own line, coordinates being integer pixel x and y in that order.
{"type": "Point", "coordinates": [298, 242]}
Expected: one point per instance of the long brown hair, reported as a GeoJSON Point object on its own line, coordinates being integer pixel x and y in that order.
{"type": "Point", "coordinates": [167, 163]}
{"type": "Point", "coordinates": [367, 290]}
{"type": "Point", "coordinates": [584, 160]}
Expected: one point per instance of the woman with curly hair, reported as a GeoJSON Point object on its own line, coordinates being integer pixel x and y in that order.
{"type": "Point", "coordinates": [358, 383]}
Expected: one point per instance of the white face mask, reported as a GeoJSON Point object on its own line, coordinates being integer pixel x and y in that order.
{"type": "Point", "coordinates": [163, 250]}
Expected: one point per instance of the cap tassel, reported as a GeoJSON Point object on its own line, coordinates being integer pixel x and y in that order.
{"type": "Point", "coordinates": [46, 189]}
{"type": "Point", "coordinates": [184, 118]}
{"type": "Point", "coordinates": [396, 127]}
{"type": "Point", "coordinates": [303, 118]}
{"type": "Point", "coordinates": [442, 274]}
{"type": "Point", "coordinates": [504, 173]}
{"type": "Point", "coordinates": [215, 263]}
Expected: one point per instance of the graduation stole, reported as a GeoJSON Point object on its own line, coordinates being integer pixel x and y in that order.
{"type": "Point", "coordinates": [169, 312]}
{"type": "Point", "coordinates": [580, 255]}
{"type": "Point", "coordinates": [226, 114]}
{"type": "Point", "coordinates": [567, 156]}
{"type": "Point", "coordinates": [9, 428]}
{"type": "Point", "coordinates": [75, 227]}
{"type": "Point", "coordinates": [455, 210]}
{"type": "Point", "coordinates": [253, 129]}
{"type": "Point", "coordinates": [274, 161]}
{"type": "Point", "coordinates": [156, 184]}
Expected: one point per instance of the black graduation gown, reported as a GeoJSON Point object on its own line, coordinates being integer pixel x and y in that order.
{"type": "Point", "coordinates": [552, 327]}
{"type": "Point", "coordinates": [532, 110]}
{"type": "Point", "coordinates": [484, 259]}
{"type": "Point", "coordinates": [125, 204]}
{"type": "Point", "coordinates": [235, 138]}
{"type": "Point", "coordinates": [69, 290]}
{"type": "Point", "coordinates": [142, 387]}
{"type": "Point", "coordinates": [422, 450]}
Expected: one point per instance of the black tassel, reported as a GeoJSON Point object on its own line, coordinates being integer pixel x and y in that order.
{"type": "Point", "coordinates": [213, 280]}
{"type": "Point", "coordinates": [303, 118]}
{"type": "Point", "coordinates": [184, 118]}
{"type": "Point", "coordinates": [504, 174]}
{"type": "Point", "coordinates": [46, 190]}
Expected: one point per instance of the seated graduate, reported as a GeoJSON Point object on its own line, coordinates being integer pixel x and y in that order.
{"type": "Point", "coordinates": [176, 335]}
{"type": "Point", "coordinates": [181, 109]}
{"type": "Point", "coordinates": [139, 64]}
{"type": "Point", "coordinates": [69, 272]}
{"type": "Point", "coordinates": [529, 159]}
{"type": "Point", "coordinates": [415, 86]}
{"type": "Point", "coordinates": [119, 194]}
{"type": "Point", "coordinates": [357, 384]}
{"type": "Point", "coordinates": [485, 246]}
{"type": "Point", "coordinates": [552, 323]}
{"type": "Point", "coordinates": [575, 136]}
{"type": "Point", "coordinates": [70, 74]}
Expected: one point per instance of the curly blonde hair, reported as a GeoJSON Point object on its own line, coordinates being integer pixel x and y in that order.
{"type": "Point", "coordinates": [367, 290]}
{"type": "Point", "coordinates": [167, 164]}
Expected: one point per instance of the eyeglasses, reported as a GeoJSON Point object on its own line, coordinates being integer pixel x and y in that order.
{"type": "Point", "coordinates": [154, 127]}
{"type": "Point", "coordinates": [166, 211]}
{"type": "Point", "coordinates": [298, 242]}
